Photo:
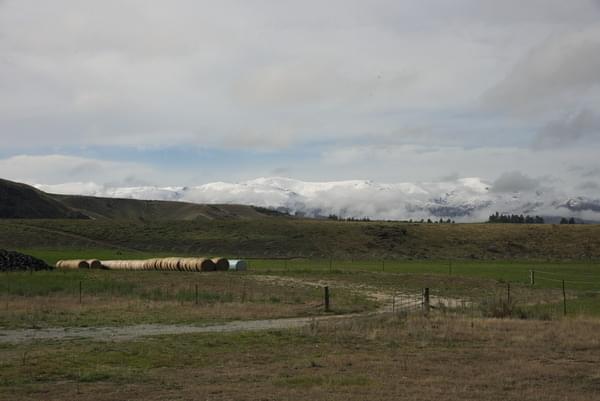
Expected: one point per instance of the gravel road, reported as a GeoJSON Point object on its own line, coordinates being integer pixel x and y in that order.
{"type": "Point", "coordinates": [126, 333]}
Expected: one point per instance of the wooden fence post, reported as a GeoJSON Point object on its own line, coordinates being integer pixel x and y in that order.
{"type": "Point", "coordinates": [7, 290]}
{"type": "Point", "coordinates": [564, 299]}
{"type": "Point", "coordinates": [326, 299]}
{"type": "Point", "coordinates": [532, 277]}
{"type": "Point", "coordinates": [508, 293]}
{"type": "Point", "coordinates": [426, 304]}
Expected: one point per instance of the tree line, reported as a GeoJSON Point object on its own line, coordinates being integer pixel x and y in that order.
{"type": "Point", "coordinates": [515, 219]}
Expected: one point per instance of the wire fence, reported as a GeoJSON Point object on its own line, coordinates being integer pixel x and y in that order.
{"type": "Point", "coordinates": [507, 300]}
{"type": "Point", "coordinates": [545, 295]}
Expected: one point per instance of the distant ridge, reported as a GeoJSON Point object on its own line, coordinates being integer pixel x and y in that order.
{"type": "Point", "coordinates": [21, 201]}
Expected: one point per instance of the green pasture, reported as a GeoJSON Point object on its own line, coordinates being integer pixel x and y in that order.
{"type": "Point", "coordinates": [583, 275]}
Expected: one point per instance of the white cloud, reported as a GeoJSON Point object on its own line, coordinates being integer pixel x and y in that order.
{"type": "Point", "coordinates": [462, 199]}
{"type": "Point", "coordinates": [261, 75]}
{"type": "Point", "coordinates": [58, 169]}
{"type": "Point", "coordinates": [386, 90]}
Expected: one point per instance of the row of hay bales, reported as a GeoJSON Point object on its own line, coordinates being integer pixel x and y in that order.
{"type": "Point", "coordinates": [163, 264]}
{"type": "Point", "coordinates": [79, 264]}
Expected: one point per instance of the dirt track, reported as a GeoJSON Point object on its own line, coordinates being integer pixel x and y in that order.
{"type": "Point", "coordinates": [131, 332]}
{"type": "Point", "coordinates": [125, 333]}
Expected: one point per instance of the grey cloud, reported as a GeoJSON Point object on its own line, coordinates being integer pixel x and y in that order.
{"type": "Point", "coordinates": [514, 181]}
{"type": "Point", "coordinates": [281, 172]}
{"type": "Point", "coordinates": [580, 204]}
{"type": "Point", "coordinates": [589, 186]}
{"type": "Point", "coordinates": [564, 65]}
{"type": "Point", "coordinates": [591, 172]}
{"type": "Point", "coordinates": [450, 177]}
{"type": "Point", "coordinates": [368, 77]}
{"type": "Point", "coordinates": [58, 169]}
{"type": "Point", "coordinates": [566, 132]}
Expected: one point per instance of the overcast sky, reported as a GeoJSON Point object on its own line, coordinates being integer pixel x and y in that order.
{"type": "Point", "coordinates": [188, 92]}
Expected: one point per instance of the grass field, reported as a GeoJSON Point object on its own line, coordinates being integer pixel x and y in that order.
{"type": "Point", "coordinates": [529, 351]}
{"type": "Point", "coordinates": [313, 239]}
{"type": "Point", "coordinates": [382, 358]}
{"type": "Point", "coordinates": [114, 298]}
{"type": "Point", "coordinates": [44, 299]}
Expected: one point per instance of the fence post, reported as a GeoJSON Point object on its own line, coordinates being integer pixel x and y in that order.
{"type": "Point", "coordinates": [426, 300]}
{"type": "Point", "coordinates": [532, 277]}
{"type": "Point", "coordinates": [244, 291]}
{"type": "Point", "coordinates": [326, 299]}
{"type": "Point", "coordinates": [7, 290]}
{"type": "Point", "coordinates": [564, 299]}
{"type": "Point", "coordinates": [508, 293]}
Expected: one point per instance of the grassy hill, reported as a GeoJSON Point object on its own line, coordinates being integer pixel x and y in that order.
{"type": "Point", "coordinates": [270, 237]}
{"type": "Point", "coordinates": [109, 208]}
{"type": "Point", "coordinates": [31, 219]}
{"type": "Point", "coordinates": [20, 201]}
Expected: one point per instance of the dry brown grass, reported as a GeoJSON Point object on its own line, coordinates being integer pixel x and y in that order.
{"type": "Point", "coordinates": [378, 358]}
{"type": "Point", "coordinates": [56, 311]}
{"type": "Point", "coordinates": [124, 298]}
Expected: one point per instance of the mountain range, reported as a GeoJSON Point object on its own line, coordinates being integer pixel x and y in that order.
{"type": "Point", "coordinates": [462, 200]}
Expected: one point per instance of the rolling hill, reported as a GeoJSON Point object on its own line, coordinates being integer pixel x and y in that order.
{"type": "Point", "coordinates": [20, 201]}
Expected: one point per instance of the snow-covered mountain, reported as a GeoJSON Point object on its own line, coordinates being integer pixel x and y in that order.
{"type": "Point", "coordinates": [466, 199]}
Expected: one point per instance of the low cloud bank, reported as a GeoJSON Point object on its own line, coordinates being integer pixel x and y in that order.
{"type": "Point", "coordinates": [463, 200]}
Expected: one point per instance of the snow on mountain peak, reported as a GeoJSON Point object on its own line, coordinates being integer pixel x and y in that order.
{"type": "Point", "coordinates": [465, 199]}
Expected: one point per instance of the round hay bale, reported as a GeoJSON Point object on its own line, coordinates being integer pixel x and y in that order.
{"type": "Point", "coordinates": [109, 264]}
{"type": "Point", "coordinates": [192, 264]}
{"type": "Point", "coordinates": [94, 264]}
{"type": "Point", "coordinates": [161, 264]}
{"type": "Point", "coordinates": [174, 263]}
{"type": "Point", "coordinates": [114, 264]}
{"type": "Point", "coordinates": [221, 263]}
{"type": "Point", "coordinates": [156, 264]}
{"type": "Point", "coordinates": [207, 265]}
{"type": "Point", "coordinates": [151, 264]}
{"type": "Point", "coordinates": [164, 264]}
{"type": "Point", "coordinates": [185, 264]}
{"type": "Point", "coordinates": [238, 265]}
{"type": "Point", "coordinates": [72, 264]}
{"type": "Point", "coordinates": [171, 264]}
